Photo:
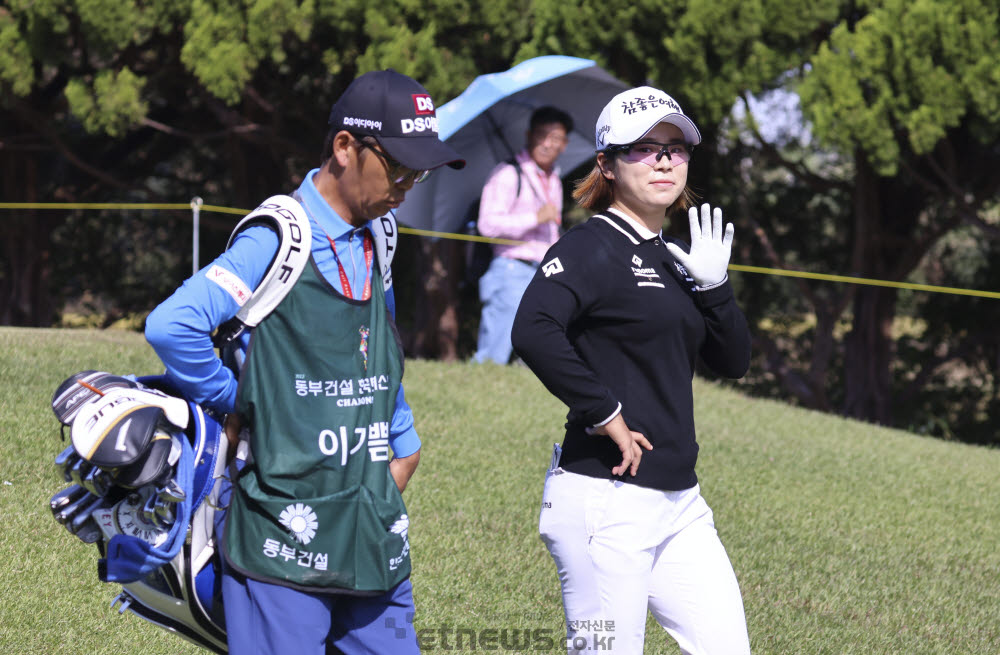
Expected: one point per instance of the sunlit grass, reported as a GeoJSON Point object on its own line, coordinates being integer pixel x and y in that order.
{"type": "Point", "coordinates": [846, 538]}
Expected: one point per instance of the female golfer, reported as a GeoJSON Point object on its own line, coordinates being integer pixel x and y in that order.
{"type": "Point", "coordinates": [612, 324]}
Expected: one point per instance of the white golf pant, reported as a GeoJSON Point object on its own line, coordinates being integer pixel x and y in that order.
{"type": "Point", "coordinates": [621, 548]}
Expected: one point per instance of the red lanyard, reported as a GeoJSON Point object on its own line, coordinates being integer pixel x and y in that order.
{"type": "Point", "coordinates": [345, 284]}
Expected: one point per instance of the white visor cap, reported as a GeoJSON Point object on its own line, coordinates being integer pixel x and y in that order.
{"type": "Point", "coordinates": [632, 113]}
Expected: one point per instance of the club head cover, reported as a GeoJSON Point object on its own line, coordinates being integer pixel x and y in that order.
{"type": "Point", "coordinates": [78, 388]}
{"type": "Point", "coordinates": [125, 432]}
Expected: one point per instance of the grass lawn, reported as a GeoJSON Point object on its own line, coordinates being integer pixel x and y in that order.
{"type": "Point", "coordinates": [846, 538]}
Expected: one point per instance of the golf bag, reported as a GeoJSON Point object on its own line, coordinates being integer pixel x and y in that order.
{"type": "Point", "coordinates": [145, 467]}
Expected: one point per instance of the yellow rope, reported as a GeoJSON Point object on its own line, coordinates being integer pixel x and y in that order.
{"type": "Point", "coordinates": [482, 239]}
{"type": "Point", "coordinates": [459, 237]}
{"type": "Point", "coordinates": [861, 280]}
{"type": "Point", "coordinates": [119, 205]}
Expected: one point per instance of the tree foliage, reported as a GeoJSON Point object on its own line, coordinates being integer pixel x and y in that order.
{"type": "Point", "coordinates": [904, 76]}
{"type": "Point", "coordinates": [892, 176]}
{"type": "Point", "coordinates": [164, 100]}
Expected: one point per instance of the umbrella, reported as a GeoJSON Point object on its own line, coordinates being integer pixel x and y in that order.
{"type": "Point", "coordinates": [487, 123]}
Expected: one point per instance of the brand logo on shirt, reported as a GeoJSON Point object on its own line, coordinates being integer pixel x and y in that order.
{"type": "Point", "coordinates": [552, 267]}
{"type": "Point", "coordinates": [400, 527]}
{"type": "Point", "coordinates": [229, 281]}
{"type": "Point", "coordinates": [645, 277]}
{"type": "Point", "coordinates": [686, 275]}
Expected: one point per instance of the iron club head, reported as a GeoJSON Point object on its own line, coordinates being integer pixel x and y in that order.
{"type": "Point", "coordinates": [78, 521]}
{"type": "Point", "coordinates": [79, 471]}
{"type": "Point", "coordinates": [89, 532]}
{"type": "Point", "coordinates": [171, 492]}
{"type": "Point", "coordinates": [67, 512]}
{"type": "Point", "coordinates": [65, 497]}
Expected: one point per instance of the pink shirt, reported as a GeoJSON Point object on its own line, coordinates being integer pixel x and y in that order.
{"type": "Point", "coordinates": [504, 216]}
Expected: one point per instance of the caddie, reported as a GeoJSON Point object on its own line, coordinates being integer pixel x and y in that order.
{"type": "Point", "coordinates": [314, 540]}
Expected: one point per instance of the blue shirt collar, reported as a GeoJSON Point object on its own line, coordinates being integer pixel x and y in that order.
{"type": "Point", "coordinates": [320, 211]}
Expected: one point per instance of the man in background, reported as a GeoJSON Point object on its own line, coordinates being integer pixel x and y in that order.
{"type": "Point", "coordinates": [521, 201]}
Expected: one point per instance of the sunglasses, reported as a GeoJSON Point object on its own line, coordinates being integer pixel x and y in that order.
{"type": "Point", "coordinates": [650, 152]}
{"type": "Point", "coordinates": [398, 173]}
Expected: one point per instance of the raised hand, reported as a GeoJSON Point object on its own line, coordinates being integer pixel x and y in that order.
{"type": "Point", "coordinates": [710, 247]}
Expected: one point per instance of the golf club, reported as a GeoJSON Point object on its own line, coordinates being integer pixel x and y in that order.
{"type": "Point", "coordinates": [97, 481]}
{"type": "Point", "coordinates": [79, 471]}
{"type": "Point", "coordinates": [163, 513]}
{"type": "Point", "coordinates": [80, 518]}
{"type": "Point", "coordinates": [89, 532]}
{"type": "Point", "coordinates": [171, 492]}
{"type": "Point", "coordinates": [68, 511]}
{"type": "Point", "coordinates": [65, 497]}
{"type": "Point", "coordinates": [64, 464]}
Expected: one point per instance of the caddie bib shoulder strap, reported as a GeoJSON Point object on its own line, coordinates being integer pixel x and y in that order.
{"type": "Point", "coordinates": [317, 509]}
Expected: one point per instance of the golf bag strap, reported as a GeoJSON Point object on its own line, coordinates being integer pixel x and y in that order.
{"type": "Point", "coordinates": [385, 235]}
{"type": "Point", "coordinates": [289, 220]}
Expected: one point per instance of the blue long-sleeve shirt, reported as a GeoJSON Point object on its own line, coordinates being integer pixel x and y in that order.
{"type": "Point", "coordinates": [180, 328]}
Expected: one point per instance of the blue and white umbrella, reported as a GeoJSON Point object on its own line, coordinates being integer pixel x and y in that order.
{"type": "Point", "coordinates": [487, 124]}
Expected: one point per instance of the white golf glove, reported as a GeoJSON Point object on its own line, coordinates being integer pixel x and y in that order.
{"type": "Point", "coordinates": [710, 248]}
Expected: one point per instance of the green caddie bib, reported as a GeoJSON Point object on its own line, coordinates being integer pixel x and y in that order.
{"type": "Point", "coordinates": [316, 508]}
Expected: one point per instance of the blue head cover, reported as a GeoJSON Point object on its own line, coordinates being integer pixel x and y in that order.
{"type": "Point", "coordinates": [130, 558]}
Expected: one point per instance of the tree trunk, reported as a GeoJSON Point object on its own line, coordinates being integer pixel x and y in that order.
{"type": "Point", "coordinates": [868, 357]}
{"type": "Point", "coordinates": [886, 222]}
{"type": "Point", "coordinates": [25, 296]}
{"type": "Point", "coordinates": [436, 320]}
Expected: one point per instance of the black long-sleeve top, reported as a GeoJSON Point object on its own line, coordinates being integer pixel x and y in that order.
{"type": "Point", "coordinates": [611, 317]}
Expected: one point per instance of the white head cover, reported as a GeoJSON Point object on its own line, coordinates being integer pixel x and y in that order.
{"type": "Point", "coordinates": [633, 113]}
{"type": "Point", "coordinates": [120, 429]}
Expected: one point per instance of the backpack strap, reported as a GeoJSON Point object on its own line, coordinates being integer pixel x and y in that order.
{"type": "Point", "coordinates": [517, 167]}
{"type": "Point", "coordinates": [286, 217]}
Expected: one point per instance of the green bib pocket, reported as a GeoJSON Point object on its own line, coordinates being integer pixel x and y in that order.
{"type": "Point", "coordinates": [349, 540]}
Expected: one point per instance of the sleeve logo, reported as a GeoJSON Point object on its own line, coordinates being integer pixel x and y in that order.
{"type": "Point", "coordinates": [229, 281]}
{"type": "Point", "coordinates": [552, 267]}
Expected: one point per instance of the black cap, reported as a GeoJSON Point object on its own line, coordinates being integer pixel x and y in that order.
{"type": "Point", "coordinates": [398, 111]}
